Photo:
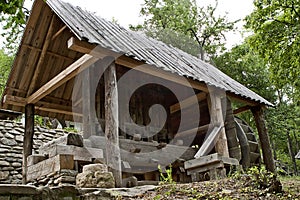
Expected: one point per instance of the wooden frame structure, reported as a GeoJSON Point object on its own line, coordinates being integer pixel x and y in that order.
{"type": "Point", "coordinates": [52, 54]}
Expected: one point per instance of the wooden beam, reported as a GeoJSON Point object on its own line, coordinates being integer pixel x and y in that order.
{"type": "Point", "coordinates": [58, 32]}
{"type": "Point", "coordinates": [97, 51]}
{"type": "Point", "coordinates": [28, 138]}
{"type": "Point", "coordinates": [113, 156]}
{"type": "Point", "coordinates": [38, 67]}
{"type": "Point", "coordinates": [41, 105]}
{"type": "Point", "coordinates": [75, 68]}
{"type": "Point", "coordinates": [48, 52]}
{"type": "Point", "coordinates": [192, 131]}
{"type": "Point", "coordinates": [217, 119]}
{"type": "Point", "coordinates": [241, 109]}
{"type": "Point", "coordinates": [263, 137]}
{"type": "Point", "coordinates": [187, 102]}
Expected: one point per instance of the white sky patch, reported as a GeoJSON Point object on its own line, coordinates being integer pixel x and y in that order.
{"type": "Point", "coordinates": [126, 12]}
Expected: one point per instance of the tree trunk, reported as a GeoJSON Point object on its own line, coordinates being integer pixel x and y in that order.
{"type": "Point", "coordinates": [263, 137]}
{"type": "Point", "coordinates": [28, 138]}
{"type": "Point", "coordinates": [291, 152]}
{"type": "Point", "coordinates": [113, 157]}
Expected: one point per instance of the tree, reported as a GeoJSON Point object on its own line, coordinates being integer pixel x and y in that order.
{"type": "Point", "coordinates": [276, 26]}
{"type": "Point", "coordinates": [168, 19]}
{"type": "Point", "coordinates": [13, 15]}
{"type": "Point", "coordinates": [5, 63]}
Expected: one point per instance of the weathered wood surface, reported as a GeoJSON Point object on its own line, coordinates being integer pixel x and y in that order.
{"type": "Point", "coordinates": [79, 153]}
{"type": "Point", "coordinates": [263, 137]}
{"type": "Point", "coordinates": [50, 165]}
{"type": "Point", "coordinates": [28, 138]}
{"type": "Point", "coordinates": [188, 102]}
{"type": "Point", "coordinates": [113, 157]}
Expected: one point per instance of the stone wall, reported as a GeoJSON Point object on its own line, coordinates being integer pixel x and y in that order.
{"type": "Point", "coordinates": [11, 147]}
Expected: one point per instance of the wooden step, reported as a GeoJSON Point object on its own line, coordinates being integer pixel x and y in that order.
{"type": "Point", "coordinates": [253, 146]}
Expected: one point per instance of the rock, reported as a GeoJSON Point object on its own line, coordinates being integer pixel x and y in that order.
{"type": "Point", "coordinates": [10, 136]}
{"type": "Point", "coordinates": [14, 132]}
{"type": "Point", "coordinates": [16, 164]}
{"type": "Point", "coordinates": [8, 142]}
{"type": "Point", "coordinates": [95, 168]}
{"type": "Point", "coordinates": [4, 150]}
{"type": "Point", "coordinates": [95, 180]}
{"type": "Point", "coordinates": [4, 163]}
{"type": "Point", "coordinates": [95, 176]}
{"type": "Point", "coordinates": [19, 138]}
{"type": "Point", "coordinates": [4, 175]}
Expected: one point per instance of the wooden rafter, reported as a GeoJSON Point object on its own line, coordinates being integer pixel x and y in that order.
{"type": "Point", "coordinates": [242, 109]}
{"type": "Point", "coordinates": [58, 32]}
{"type": "Point", "coordinates": [38, 67]}
{"type": "Point", "coordinates": [41, 105]}
{"type": "Point", "coordinates": [188, 102]}
{"type": "Point", "coordinates": [75, 68]}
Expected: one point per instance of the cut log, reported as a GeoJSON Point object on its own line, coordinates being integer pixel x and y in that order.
{"type": "Point", "coordinates": [79, 153]}
{"type": "Point", "coordinates": [50, 165]}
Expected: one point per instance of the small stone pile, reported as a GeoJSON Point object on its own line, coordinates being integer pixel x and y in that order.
{"type": "Point", "coordinates": [95, 176]}
{"type": "Point", "coordinates": [63, 177]}
{"type": "Point", "coordinates": [11, 147]}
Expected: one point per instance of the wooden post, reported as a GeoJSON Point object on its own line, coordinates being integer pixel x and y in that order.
{"type": "Point", "coordinates": [28, 138]}
{"type": "Point", "coordinates": [217, 119]}
{"type": "Point", "coordinates": [88, 104]}
{"type": "Point", "coordinates": [263, 137]}
{"type": "Point", "coordinates": [113, 157]}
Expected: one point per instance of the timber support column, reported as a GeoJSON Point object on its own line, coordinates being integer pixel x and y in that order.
{"type": "Point", "coordinates": [113, 157]}
{"type": "Point", "coordinates": [263, 137]}
{"type": "Point", "coordinates": [217, 119]}
{"type": "Point", "coordinates": [28, 138]}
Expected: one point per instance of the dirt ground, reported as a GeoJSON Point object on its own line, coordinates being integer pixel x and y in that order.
{"type": "Point", "coordinates": [229, 188]}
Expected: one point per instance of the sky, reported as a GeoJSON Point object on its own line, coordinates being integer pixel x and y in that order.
{"type": "Point", "coordinates": [126, 12]}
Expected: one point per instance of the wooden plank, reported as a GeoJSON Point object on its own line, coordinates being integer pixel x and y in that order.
{"type": "Point", "coordinates": [209, 142]}
{"type": "Point", "coordinates": [113, 156]}
{"type": "Point", "coordinates": [206, 168]}
{"type": "Point", "coordinates": [209, 159]}
{"type": "Point", "coordinates": [192, 131]}
{"type": "Point", "coordinates": [80, 153]}
{"type": "Point", "coordinates": [74, 139]}
{"type": "Point", "coordinates": [198, 162]}
{"type": "Point", "coordinates": [50, 165]}
{"type": "Point", "coordinates": [38, 67]}
{"type": "Point", "coordinates": [188, 102]}
{"type": "Point", "coordinates": [28, 138]}
{"type": "Point", "coordinates": [82, 63]}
